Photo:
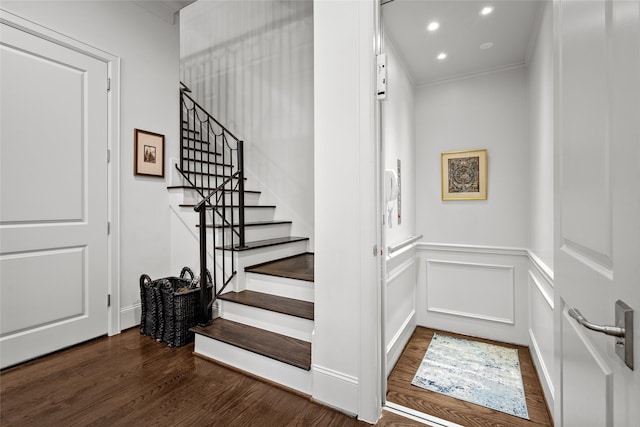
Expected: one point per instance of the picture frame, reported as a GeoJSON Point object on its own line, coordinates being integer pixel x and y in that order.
{"type": "Point", "coordinates": [148, 153]}
{"type": "Point", "coordinates": [464, 175]}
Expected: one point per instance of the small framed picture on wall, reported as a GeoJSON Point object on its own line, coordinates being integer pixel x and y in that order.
{"type": "Point", "coordinates": [149, 153]}
{"type": "Point", "coordinates": [464, 175]}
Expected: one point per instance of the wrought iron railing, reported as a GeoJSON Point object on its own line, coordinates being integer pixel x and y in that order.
{"type": "Point", "coordinates": [212, 164]}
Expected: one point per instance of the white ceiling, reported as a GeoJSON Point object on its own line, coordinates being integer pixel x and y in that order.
{"type": "Point", "coordinates": [164, 9]}
{"type": "Point", "coordinates": [462, 31]}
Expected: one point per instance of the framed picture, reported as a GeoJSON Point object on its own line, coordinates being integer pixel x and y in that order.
{"type": "Point", "coordinates": [464, 175]}
{"type": "Point", "coordinates": [149, 153]}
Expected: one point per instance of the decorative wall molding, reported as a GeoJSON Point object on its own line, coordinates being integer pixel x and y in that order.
{"type": "Point", "coordinates": [398, 271]}
{"type": "Point", "coordinates": [474, 249]}
{"type": "Point", "coordinates": [548, 298]}
{"type": "Point", "coordinates": [541, 267]}
{"type": "Point", "coordinates": [541, 365]}
{"type": "Point", "coordinates": [485, 299]}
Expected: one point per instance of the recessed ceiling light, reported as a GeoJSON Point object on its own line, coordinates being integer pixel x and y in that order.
{"type": "Point", "coordinates": [486, 10]}
{"type": "Point", "coordinates": [487, 45]}
{"type": "Point", "coordinates": [441, 56]}
{"type": "Point", "coordinates": [434, 25]}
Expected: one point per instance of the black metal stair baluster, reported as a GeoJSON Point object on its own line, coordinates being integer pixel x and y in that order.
{"type": "Point", "coordinates": [240, 155]}
{"type": "Point", "coordinates": [204, 297]}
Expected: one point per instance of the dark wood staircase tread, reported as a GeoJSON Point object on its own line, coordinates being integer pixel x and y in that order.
{"type": "Point", "coordinates": [190, 205]}
{"type": "Point", "coordinates": [217, 175]}
{"type": "Point", "coordinates": [249, 224]}
{"type": "Point", "coordinates": [188, 187]}
{"type": "Point", "coordinates": [263, 243]}
{"type": "Point", "coordinates": [299, 267]}
{"type": "Point", "coordinates": [269, 344]}
{"type": "Point", "coordinates": [282, 305]}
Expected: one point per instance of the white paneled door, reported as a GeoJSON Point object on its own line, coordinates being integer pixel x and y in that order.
{"type": "Point", "coordinates": [53, 199]}
{"type": "Point", "coordinates": [597, 208]}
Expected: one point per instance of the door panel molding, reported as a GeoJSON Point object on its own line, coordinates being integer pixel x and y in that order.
{"type": "Point", "coordinates": [113, 142]}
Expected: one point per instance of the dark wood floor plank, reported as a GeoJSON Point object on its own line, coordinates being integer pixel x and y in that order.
{"type": "Point", "coordinates": [400, 390]}
{"type": "Point", "coordinates": [292, 307]}
{"type": "Point", "coordinates": [269, 344]}
{"type": "Point", "coordinates": [130, 379]}
{"type": "Point", "coordinates": [300, 267]}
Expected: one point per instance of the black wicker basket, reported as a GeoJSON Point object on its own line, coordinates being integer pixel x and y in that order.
{"type": "Point", "coordinates": [152, 314]}
{"type": "Point", "coordinates": [169, 307]}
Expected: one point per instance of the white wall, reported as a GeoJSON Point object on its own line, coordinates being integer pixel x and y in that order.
{"type": "Point", "coordinates": [398, 135]}
{"type": "Point", "coordinates": [541, 295]}
{"type": "Point", "coordinates": [472, 269]}
{"type": "Point", "coordinates": [540, 76]}
{"type": "Point", "coordinates": [483, 111]}
{"type": "Point", "coordinates": [398, 138]}
{"type": "Point", "coordinates": [148, 49]}
{"type": "Point", "coordinates": [250, 64]}
{"type": "Point", "coordinates": [346, 350]}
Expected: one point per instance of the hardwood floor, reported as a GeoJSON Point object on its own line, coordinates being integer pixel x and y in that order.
{"type": "Point", "coordinates": [400, 390]}
{"type": "Point", "coordinates": [132, 380]}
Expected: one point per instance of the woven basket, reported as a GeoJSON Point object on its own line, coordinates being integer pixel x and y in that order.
{"type": "Point", "coordinates": [152, 320]}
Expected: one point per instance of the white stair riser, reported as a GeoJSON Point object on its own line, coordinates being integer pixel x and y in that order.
{"type": "Point", "coordinates": [192, 197]}
{"type": "Point", "coordinates": [251, 214]}
{"type": "Point", "coordinates": [282, 324]}
{"type": "Point", "coordinates": [272, 370]}
{"type": "Point", "coordinates": [258, 256]}
{"type": "Point", "coordinates": [280, 286]}
{"type": "Point", "coordinates": [253, 233]}
{"type": "Point", "coordinates": [210, 181]}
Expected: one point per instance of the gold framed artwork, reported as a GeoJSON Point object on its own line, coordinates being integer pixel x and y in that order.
{"type": "Point", "coordinates": [464, 175]}
{"type": "Point", "coordinates": [149, 153]}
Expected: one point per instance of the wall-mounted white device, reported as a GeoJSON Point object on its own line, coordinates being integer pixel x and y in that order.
{"type": "Point", "coordinates": [381, 76]}
{"type": "Point", "coordinates": [390, 194]}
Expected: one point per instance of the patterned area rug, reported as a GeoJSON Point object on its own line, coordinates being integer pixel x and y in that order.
{"type": "Point", "coordinates": [480, 373]}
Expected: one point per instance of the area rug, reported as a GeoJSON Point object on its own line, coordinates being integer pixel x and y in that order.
{"type": "Point", "coordinates": [476, 372]}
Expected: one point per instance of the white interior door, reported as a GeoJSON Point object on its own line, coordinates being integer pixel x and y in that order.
{"type": "Point", "coordinates": [53, 199]}
{"type": "Point", "coordinates": [598, 206]}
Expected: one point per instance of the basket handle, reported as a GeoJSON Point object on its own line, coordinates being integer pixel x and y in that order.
{"type": "Point", "coordinates": [144, 279]}
{"type": "Point", "coordinates": [186, 270]}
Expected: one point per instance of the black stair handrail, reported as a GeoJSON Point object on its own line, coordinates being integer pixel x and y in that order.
{"type": "Point", "coordinates": [212, 163]}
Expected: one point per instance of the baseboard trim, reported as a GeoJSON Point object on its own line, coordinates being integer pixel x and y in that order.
{"type": "Point", "coordinates": [335, 389]}
{"type": "Point", "coordinates": [130, 316]}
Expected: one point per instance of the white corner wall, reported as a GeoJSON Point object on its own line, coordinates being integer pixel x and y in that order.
{"type": "Point", "coordinates": [250, 64]}
{"type": "Point", "coordinates": [398, 137]}
{"type": "Point", "coordinates": [541, 150]}
{"type": "Point", "coordinates": [148, 49]}
{"type": "Point", "coordinates": [346, 347]}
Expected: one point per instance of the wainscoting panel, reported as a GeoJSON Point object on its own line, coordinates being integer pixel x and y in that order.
{"type": "Point", "coordinates": [400, 307]}
{"type": "Point", "coordinates": [474, 290]}
{"type": "Point", "coordinates": [541, 332]}
{"type": "Point", "coordinates": [478, 291]}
